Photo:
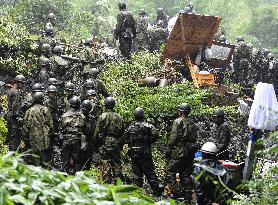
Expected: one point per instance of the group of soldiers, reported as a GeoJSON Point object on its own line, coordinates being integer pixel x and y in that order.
{"type": "Point", "coordinates": [253, 65]}
{"type": "Point", "coordinates": [140, 35]}
{"type": "Point", "coordinates": [86, 134]}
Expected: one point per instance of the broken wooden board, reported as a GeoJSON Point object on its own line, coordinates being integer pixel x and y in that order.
{"type": "Point", "coordinates": [189, 34]}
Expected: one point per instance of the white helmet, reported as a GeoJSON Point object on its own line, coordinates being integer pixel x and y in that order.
{"type": "Point", "coordinates": [209, 148]}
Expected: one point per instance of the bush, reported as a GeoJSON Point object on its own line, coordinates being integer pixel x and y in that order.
{"type": "Point", "coordinates": [23, 184]}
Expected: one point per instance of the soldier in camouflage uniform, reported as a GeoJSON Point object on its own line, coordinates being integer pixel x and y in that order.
{"type": "Point", "coordinates": [45, 51]}
{"type": "Point", "coordinates": [69, 93]}
{"type": "Point", "coordinates": [161, 18]}
{"type": "Point", "coordinates": [52, 103]}
{"type": "Point", "coordinates": [98, 85]}
{"type": "Point", "coordinates": [125, 30]}
{"type": "Point", "coordinates": [59, 65]}
{"type": "Point", "coordinates": [14, 119]}
{"type": "Point", "coordinates": [241, 62]}
{"type": "Point", "coordinates": [87, 152]}
{"type": "Point", "coordinates": [51, 20]}
{"type": "Point", "coordinates": [180, 155]}
{"type": "Point", "coordinates": [88, 57]}
{"type": "Point", "coordinates": [28, 99]}
{"type": "Point", "coordinates": [92, 96]}
{"type": "Point", "coordinates": [140, 136]}
{"type": "Point", "coordinates": [37, 129]}
{"type": "Point", "coordinates": [72, 130]}
{"type": "Point", "coordinates": [49, 37]}
{"type": "Point", "coordinates": [220, 134]}
{"type": "Point", "coordinates": [108, 137]}
{"type": "Point", "coordinates": [45, 72]}
{"type": "Point", "coordinates": [142, 41]}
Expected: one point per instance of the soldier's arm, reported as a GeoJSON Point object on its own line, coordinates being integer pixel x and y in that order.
{"type": "Point", "coordinates": [133, 23]}
{"type": "Point", "coordinates": [49, 119]}
{"type": "Point", "coordinates": [25, 128]}
{"type": "Point", "coordinates": [14, 101]}
{"type": "Point", "coordinates": [103, 89]}
{"type": "Point", "coordinates": [174, 134]}
{"type": "Point", "coordinates": [98, 130]}
{"type": "Point", "coordinates": [226, 135]}
{"type": "Point", "coordinates": [154, 134]}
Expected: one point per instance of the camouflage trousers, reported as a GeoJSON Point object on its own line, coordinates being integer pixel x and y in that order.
{"type": "Point", "coordinates": [14, 133]}
{"type": "Point", "coordinates": [71, 155]}
{"type": "Point", "coordinates": [109, 164]}
{"type": "Point", "coordinates": [178, 178]}
{"type": "Point", "coordinates": [144, 165]}
{"type": "Point", "coordinates": [125, 47]}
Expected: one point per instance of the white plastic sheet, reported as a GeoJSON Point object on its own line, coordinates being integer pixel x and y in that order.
{"type": "Point", "coordinates": [264, 110]}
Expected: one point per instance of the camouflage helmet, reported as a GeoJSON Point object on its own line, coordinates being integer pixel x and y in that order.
{"type": "Point", "coordinates": [139, 113]}
{"type": "Point", "coordinates": [239, 38]}
{"type": "Point", "coordinates": [69, 86]}
{"type": "Point", "coordinates": [91, 93]}
{"type": "Point", "coordinates": [52, 88]}
{"type": "Point", "coordinates": [37, 87]}
{"type": "Point", "coordinates": [52, 81]}
{"type": "Point", "coordinates": [38, 97]}
{"type": "Point", "coordinates": [86, 105]}
{"type": "Point", "coordinates": [74, 102]}
{"type": "Point", "coordinates": [49, 30]}
{"type": "Point", "coordinates": [20, 78]}
{"type": "Point", "coordinates": [89, 84]}
{"type": "Point", "coordinates": [88, 41]}
{"type": "Point", "coordinates": [44, 61]}
{"type": "Point", "coordinates": [94, 72]}
{"type": "Point", "coordinates": [222, 38]}
{"type": "Point", "coordinates": [45, 47]}
{"type": "Point", "coordinates": [58, 49]}
{"type": "Point", "coordinates": [110, 102]}
{"type": "Point", "coordinates": [270, 56]}
{"type": "Point", "coordinates": [122, 4]}
{"type": "Point", "coordinates": [142, 11]}
{"type": "Point", "coordinates": [51, 16]}
{"type": "Point", "coordinates": [218, 113]}
{"type": "Point", "coordinates": [184, 107]}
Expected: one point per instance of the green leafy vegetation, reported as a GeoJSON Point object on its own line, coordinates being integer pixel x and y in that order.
{"type": "Point", "coordinates": [23, 184]}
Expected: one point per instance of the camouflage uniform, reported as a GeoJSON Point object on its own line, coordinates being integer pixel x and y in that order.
{"type": "Point", "coordinates": [49, 40]}
{"type": "Point", "coordinates": [220, 135]}
{"type": "Point", "coordinates": [241, 62]}
{"type": "Point", "coordinates": [180, 155]}
{"type": "Point", "coordinates": [99, 87]}
{"type": "Point", "coordinates": [142, 40]}
{"type": "Point", "coordinates": [108, 137]}
{"type": "Point", "coordinates": [59, 67]}
{"type": "Point", "coordinates": [125, 31]}
{"type": "Point", "coordinates": [88, 56]}
{"type": "Point", "coordinates": [14, 118]}
{"type": "Point", "coordinates": [139, 137]}
{"type": "Point", "coordinates": [162, 19]}
{"type": "Point", "coordinates": [72, 130]}
{"type": "Point", "coordinates": [86, 154]}
{"type": "Point", "coordinates": [158, 36]}
{"type": "Point", "coordinates": [37, 129]}
{"type": "Point", "coordinates": [27, 103]}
